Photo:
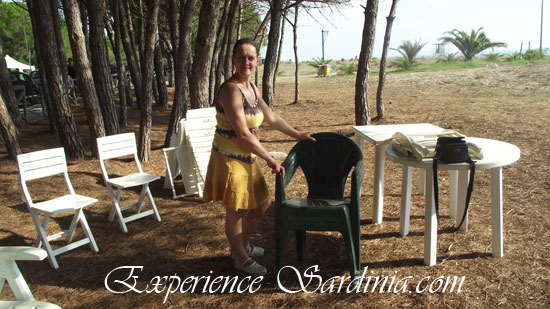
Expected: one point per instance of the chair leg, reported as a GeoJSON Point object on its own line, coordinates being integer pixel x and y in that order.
{"type": "Point", "coordinates": [300, 244]}
{"type": "Point", "coordinates": [115, 199]}
{"type": "Point", "coordinates": [141, 198]}
{"type": "Point", "coordinates": [10, 271]}
{"type": "Point", "coordinates": [87, 231]}
{"type": "Point", "coordinates": [153, 205]}
{"type": "Point", "coordinates": [350, 251]}
{"type": "Point", "coordinates": [44, 237]}
{"type": "Point", "coordinates": [115, 209]}
{"type": "Point", "coordinates": [280, 246]}
{"type": "Point", "coordinates": [72, 228]}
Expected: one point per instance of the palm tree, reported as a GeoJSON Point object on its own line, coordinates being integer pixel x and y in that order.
{"type": "Point", "coordinates": [472, 44]}
{"type": "Point", "coordinates": [409, 51]}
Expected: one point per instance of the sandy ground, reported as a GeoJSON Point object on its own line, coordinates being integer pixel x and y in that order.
{"type": "Point", "coordinates": [504, 102]}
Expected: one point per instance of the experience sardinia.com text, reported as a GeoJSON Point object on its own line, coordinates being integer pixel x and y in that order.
{"type": "Point", "coordinates": [308, 282]}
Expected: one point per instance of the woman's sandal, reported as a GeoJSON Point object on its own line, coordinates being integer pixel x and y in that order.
{"type": "Point", "coordinates": [252, 268]}
{"type": "Point", "coordinates": [253, 251]}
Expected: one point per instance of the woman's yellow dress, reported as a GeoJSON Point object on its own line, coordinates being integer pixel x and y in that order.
{"type": "Point", "coordinates": [234, 176]}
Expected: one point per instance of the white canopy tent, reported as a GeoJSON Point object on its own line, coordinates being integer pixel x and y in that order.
{"type": "Point", "coordinates": [14, 64]}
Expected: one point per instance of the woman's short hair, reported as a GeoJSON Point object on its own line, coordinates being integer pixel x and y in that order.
{"type": "Point", "coordinates": [242, 42]}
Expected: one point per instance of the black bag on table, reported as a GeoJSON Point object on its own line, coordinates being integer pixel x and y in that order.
{"type": "Point", "coordinates": [450, 150]}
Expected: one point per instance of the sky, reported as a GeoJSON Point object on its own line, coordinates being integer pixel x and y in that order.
{"type": "Point", "coordinates": [508, 21]}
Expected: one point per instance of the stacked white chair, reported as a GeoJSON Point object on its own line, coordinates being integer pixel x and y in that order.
{"type": "Point", "coordinates": [190, 151]}
{"type": "Point", "coordinates": [124, 145]}
{"type": "Point", "coordinates": [44, 164]}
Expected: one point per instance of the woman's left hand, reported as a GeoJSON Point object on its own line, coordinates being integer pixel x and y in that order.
{"type": "Point", "coordinates": [306, 136]}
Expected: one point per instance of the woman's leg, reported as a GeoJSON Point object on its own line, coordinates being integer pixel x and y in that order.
{"type": "Point", "coordinates": [250, 222]}
{"type": "Point", "coordinates": [234, 234]}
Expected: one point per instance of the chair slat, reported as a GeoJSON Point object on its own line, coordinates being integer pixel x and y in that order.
{"type": "Point", "coordinates": [42, 163]}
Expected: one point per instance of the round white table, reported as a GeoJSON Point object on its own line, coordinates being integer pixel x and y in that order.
{"type": "Point", "coordinates": [496, 154]}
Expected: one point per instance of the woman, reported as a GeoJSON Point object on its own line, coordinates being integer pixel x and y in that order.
{"type": "Point", "coordinates": [234, 176]}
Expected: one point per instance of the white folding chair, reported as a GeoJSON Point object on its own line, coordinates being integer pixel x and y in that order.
{"type": "Point", "coordinates": [190, 151]}
{"type": "Point", "coordinates": [46, 163]}
{"type": "Point", "coordinates": [200, 134]}
{"type": "Point", "coordinates": [10, 272]}
{"type": "Point", "coordinates": [122, 145]}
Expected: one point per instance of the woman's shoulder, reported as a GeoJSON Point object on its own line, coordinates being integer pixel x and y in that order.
{"type": "Point", "coordinates": [228, 86]}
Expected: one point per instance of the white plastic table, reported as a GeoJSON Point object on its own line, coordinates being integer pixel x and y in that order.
{"type": "Point", "coordinates": [379, 136]}
{"type": "Point", "coordinates": [496, 154]}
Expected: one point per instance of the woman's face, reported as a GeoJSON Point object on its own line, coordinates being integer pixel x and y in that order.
{"type": "Point", "coordinates": [245, 59]}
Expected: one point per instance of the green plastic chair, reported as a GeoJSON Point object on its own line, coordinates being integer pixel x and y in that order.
{"type": "Point", "coordinates": [326, 164]}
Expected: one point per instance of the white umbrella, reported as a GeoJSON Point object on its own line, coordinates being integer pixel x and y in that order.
{"type": "Point", "coordinates": [14, 64]}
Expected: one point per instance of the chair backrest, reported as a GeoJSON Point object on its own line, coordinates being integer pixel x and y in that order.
{"type": "Point", "coordinates": [326, 163]}
{"type": "Point", "coordinates": [41, 164]}
{"type": "Point", "coordinates": [116, 146]}
{"type": "Point", "coordinates": [199, 133]}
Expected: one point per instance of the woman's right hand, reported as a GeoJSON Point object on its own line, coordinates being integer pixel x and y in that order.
{"type": "Point", "coordinates": [276, 167]}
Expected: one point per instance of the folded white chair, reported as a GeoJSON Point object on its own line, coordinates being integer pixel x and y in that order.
{"type": "Point", "coordinates": [10, 272]}
{"type": "Point", "coordinates": [190, 151]}
{"type": "Point", "coordinates": [124, 145]}
{"type": "Point", "coordinates": [47, 163]}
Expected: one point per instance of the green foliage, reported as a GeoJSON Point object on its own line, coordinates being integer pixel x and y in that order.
{"type": "Point", "coordinates": [316, 62]}
{"type": "Point", "coordinates": [347, 68]}
{"type": "Point", "coordinates": [451, 58]}
{"type": "Point", "coordinates": [532, 55]}
{"type": "Point", "coordinates": [409, 51]}
{"type": "Point", "coordinates": [496, 57]}
{"type": "Point", "coordinates": [470, 44]}
{"type": "Point", "coordinates": [514, 57]}
{"type": "Point", "coordinates": [15, 24]}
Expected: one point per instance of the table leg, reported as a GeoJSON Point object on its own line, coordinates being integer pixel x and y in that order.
{"type": "Point", "coordinates": [404, 219]}
{"type": "Point", "coordinates": [421, 181]}
{"type": "Point", "coordinates": [430, 224]}
{"type": "Point", "coordinates": [378, 207]}
{"type": "Point", "coordinates": [453, 192]}
{"type": "Point", "coordinates": [359, 140]}
{"type": "Point", "coordinates": [496, 211]}
{"type": "Point", "coordinates": [463, 177]}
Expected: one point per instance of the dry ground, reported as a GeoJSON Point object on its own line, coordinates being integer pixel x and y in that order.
{"type": "Point", "coordinates": [507, 102]}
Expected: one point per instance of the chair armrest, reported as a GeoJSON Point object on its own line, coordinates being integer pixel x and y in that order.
{"type": "Point", "coordinates": [22, 253]}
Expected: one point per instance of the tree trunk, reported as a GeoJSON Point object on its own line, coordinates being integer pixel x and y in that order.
{"type": "Point", "coordinates": [9, 132]}
{"type": "Point", "coordinates": [128, 45]}
{"type": "Point", "coordinates": [84, 73]}
{"type": "Point", "coordinates": [140, 29]}
{"type": "Point", "coordinates": [297, 63]}
{"type": "Point", "coordinates": [161, 84]}
{"type": "Point", "coordinates": [204, 45]}
{"type": "Point", "coordinates": [261, 43]}
{"type": "Point", "coordinates": [123, 99]}
{"type": "Point", "coordinates": [100, 66]}
{"type": "Point", "coordinates": [271, 54]}
{"type": "Point", "coordinates": [382, 74]}
{"type": "Point", "coordinates": [174, 35]}
{"type": "Point", "coordinates": [146, 116]}
{"type": "Point", "coordinates": [229, 29]}
{"type": "Point", "coordinates": [362, 79]}
{"type": "Point", "coordinates": [59, 41]}
{"type": "Point", "coordinates": [84, 21]}
{"type": "Point", "coordinates": [261, 34]}
{"type": "Point", "coordinates": [181, 93]}
{"type": "Point", "coordinates": [67, 129]}
{"type": "Point", "coordinates": [240, 20]}
{"type": "Point", "coordinates": [45, 92]}
{"type": "Point", "coordinates": [280, 50]}
{"type": "Point", "coordinates": [218, 60]}
{"type": "Point", "coordinates": [6, 90]}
